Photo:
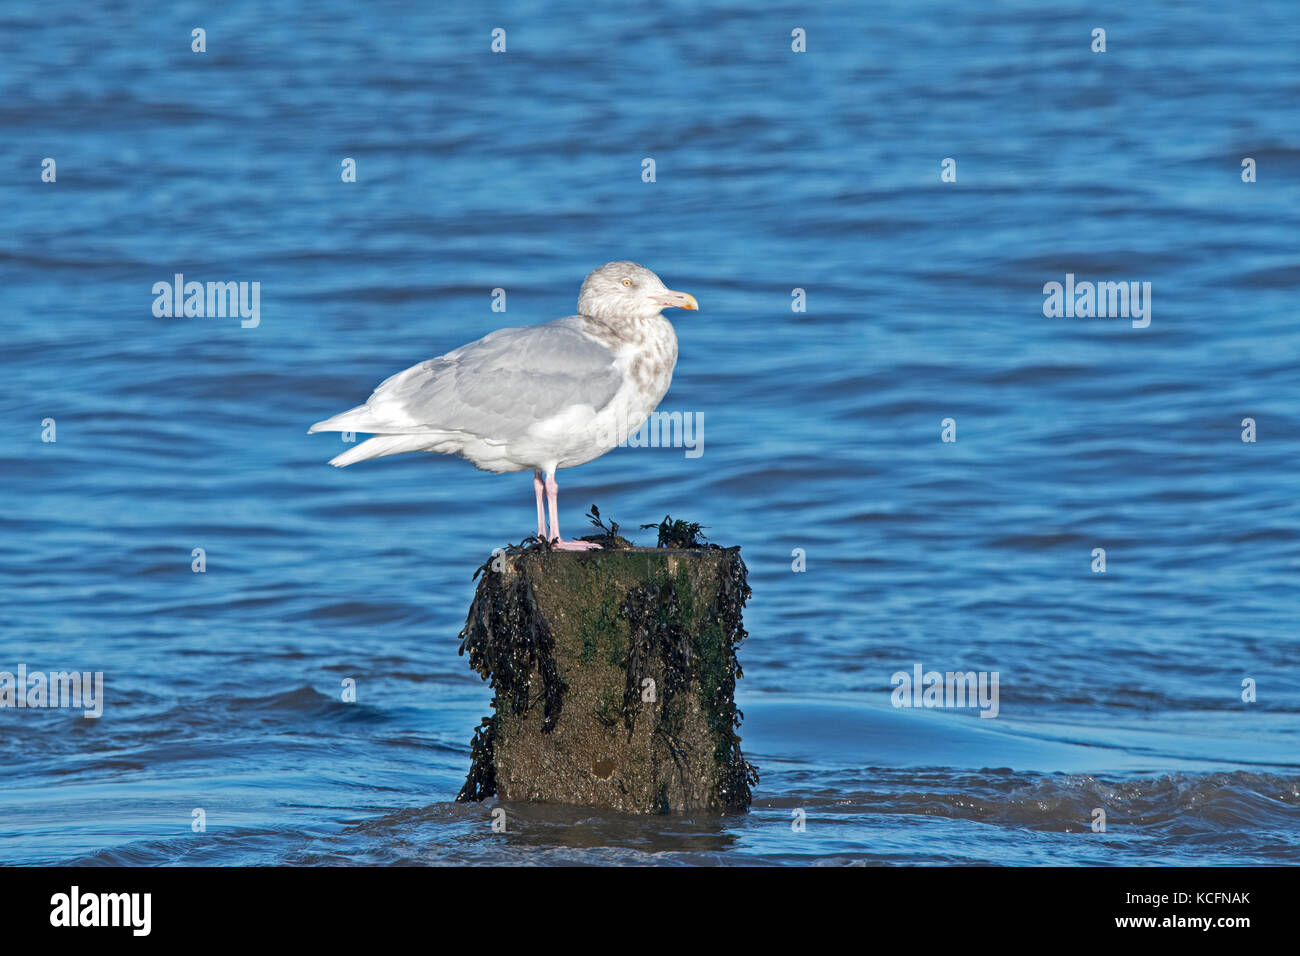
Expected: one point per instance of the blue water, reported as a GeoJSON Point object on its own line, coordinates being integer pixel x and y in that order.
{"type": "Point", "coordinates": [1119, 690]}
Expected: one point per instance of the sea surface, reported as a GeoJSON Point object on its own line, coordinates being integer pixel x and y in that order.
{"type": "Point", "coordinates": [1123, 691]}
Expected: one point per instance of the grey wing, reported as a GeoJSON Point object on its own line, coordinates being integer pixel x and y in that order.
{"type": "Point", "coordinates": [500, 385]}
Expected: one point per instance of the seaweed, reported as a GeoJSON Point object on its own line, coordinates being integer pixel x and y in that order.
{"type": "Point", "coordinates": [482, 780]}
{"type": "Point", "coordinates": [739, 776]}
{"type": "Point", "coordinates": [681, 534]}
{"type": "Point", "coordinates": [654, 613]}
{"type": "Point", "coordinates": [654, 616]}
{"type": "Point", "coordinates": [594, 515]}
{"type": "Point", "coordinates": [507, 639]}
{"type": "Point", "coordinates": [609, 538]}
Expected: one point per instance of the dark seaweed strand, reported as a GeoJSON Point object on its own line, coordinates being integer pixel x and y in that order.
{"type": "Point", "coordinates": [506, 652]}
{"type": "Point", "coordinates": [529, 545]}
{"type": "Point", "coordinates": [610, 531]}
{"type": "Point", "coordinates": [738, 775]}
{"type": "Point", "coordinates": [682, 534]}
{"type": "Point", "coordinates": [653, 613]}
{"type": "Point", "coordinates": [507, 639]}
{"type": "Point", "coordinates": [541, 653]}
{"type": "Point", "coordinates": [608, 538]}
{"type": "Point", "coordinates": [482, 780]}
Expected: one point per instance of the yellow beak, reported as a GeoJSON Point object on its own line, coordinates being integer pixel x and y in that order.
{"type": "Point", "coordinates": [680, 300]}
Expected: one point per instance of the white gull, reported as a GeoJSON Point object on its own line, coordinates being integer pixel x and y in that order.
{"type": "Point", "coordinates": [543, 397]}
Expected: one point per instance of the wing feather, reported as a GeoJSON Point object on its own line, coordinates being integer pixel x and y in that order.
{"type": "Point", "coordinates": [497, 387]}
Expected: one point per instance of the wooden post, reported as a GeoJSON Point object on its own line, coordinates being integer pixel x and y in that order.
{"type": "Point", "coordinates": [614, 674]}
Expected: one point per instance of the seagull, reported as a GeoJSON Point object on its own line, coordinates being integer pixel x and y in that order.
{"type": "Point", "coordinates": [540, 397]}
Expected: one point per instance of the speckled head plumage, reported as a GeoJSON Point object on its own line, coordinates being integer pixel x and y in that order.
{"type": "Point", "coordinates": [626, 290]}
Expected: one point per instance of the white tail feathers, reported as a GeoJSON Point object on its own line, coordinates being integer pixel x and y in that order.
{"type": "Point", "coordinates": [353, 420]}
{"type": "Point", "coordinates": [378, 447]}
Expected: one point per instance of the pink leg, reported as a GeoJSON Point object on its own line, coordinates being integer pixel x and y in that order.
{"type": "Point", "coordinates": [539, 486]}
{"type": "Point", "coordinates": [552, 494]}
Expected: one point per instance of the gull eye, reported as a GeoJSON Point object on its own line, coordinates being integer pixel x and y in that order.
{"type": "Point", "coordinates": [627, 282]}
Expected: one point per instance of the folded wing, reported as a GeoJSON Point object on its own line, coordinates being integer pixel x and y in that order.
{"type": "Point", "coordinates": [494, 388]}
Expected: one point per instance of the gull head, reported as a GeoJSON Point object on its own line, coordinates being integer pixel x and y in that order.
{"type": "Point", "coordinates": [626, 290]}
